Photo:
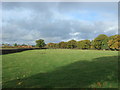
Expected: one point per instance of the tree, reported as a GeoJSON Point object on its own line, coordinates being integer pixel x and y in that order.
{"type": "Point", "coordinates": [83, 44]}
{"type": "Point", "coordinates": [114, 42]}
{"type": "Point", "coordinates": [56, 45]}
{"type": "Point", "coordinates": [15, 45]}
{"type": "Point", "coordinates": [40, 43]}
{"type": "Point", "coordinates": [97, 42]}
{"type": "Point", "coordinates": [24, 44]}
{"type": "Point", "coordinates": [92, 45]}
{"type": "Point", "coordinates": [87, 44]}
{"type": "Point", "coordinates": [72, 44]}
{"type": "Point", "coordinates": [104, 44]}
{"type": "Point", "coordinates": [6, 44]}
{"type": "Point", "coordinates": [3, 44]}
{"type": "Point", "coordinates": [51, 45]}
{"type": "Point", "coordinates": [63, 45]}
{"type": "Point", "coordinates": [79, 44]}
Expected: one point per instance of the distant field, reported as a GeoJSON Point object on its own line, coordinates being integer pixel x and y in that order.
{"type": "Point", "coordinates": [9, 48]}
{"type": "Point", "coordinates": [64, 68]}
{"type": "Point", "coordinates": [14, 48]}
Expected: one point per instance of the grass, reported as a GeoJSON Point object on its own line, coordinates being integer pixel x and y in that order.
{"type": "Point", "coordinates": [64, 68]}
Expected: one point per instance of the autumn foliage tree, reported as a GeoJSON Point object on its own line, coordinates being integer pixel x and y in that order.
{"type": "Point", "coordinates": [114, 42]}
{"type": "Point", "coordinates": [51, 45]}
{"type": "Point", "coordinates": [101, 42]}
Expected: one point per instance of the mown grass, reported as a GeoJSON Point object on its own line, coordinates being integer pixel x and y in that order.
{"type": "Point", "coordinates": [60, 68]}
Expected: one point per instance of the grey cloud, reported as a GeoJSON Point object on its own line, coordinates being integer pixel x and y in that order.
{"type": "Point", "coordinates": [44, 23]}
{"type": "Point", "coordinates": [37, 6]}
{"type": "Point", "coordinates": [64, 6]}
{"type": "Point", "coordinates": [54, 32]}
{"type": "Point", "coordinates": [90, 6]}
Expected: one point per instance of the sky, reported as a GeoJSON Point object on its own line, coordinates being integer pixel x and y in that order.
{"type": "Point", "coordinates": [25, 22]}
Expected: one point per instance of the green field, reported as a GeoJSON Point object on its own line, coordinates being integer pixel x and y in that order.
{"type": "Point", "coordinates": [60, 68]}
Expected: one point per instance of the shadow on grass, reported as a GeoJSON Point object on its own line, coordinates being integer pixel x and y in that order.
{"type": "Point", "coordinates": [83, 74]}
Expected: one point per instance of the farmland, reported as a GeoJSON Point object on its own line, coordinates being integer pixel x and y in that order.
{"type": "Point", "coordinates": [60, 68]}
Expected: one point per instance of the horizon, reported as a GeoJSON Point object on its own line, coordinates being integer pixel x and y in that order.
{"type": "Point", "coordinates": [12, 44]}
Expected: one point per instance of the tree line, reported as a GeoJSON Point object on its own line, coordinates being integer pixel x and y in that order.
{"type": "Point", "coordinates": [15, 45]}
{"type": "Point", "coordinates": [101, 42]}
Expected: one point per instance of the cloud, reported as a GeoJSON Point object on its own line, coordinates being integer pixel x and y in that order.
{"type": "Point", "coordinates": [74, 34]}
{"type": "Point", "coordinates": [55, 22]}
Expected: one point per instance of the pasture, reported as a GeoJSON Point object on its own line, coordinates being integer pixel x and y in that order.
{"type": "Point", "coordinates": [60, 68]}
